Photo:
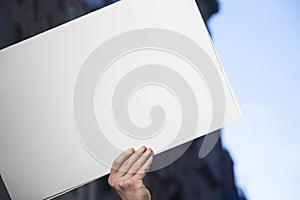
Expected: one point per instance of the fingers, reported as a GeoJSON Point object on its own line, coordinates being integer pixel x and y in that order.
{"type": "Point", "coordinates": [138, 166]}
{"type": "Point", "coordinates": [128, 165]}
{"type": "Point", "coordinates": [120, 160]}
{"type": "Point", "coordinates": [141, 173]}
{"type": "Point", "coordinates": [131, 160]}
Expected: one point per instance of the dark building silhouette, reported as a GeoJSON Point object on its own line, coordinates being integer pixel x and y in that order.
{"type": "Point", "coordinates": [188, 178]}
{"type": "Point", "coordinates": [21, 19]}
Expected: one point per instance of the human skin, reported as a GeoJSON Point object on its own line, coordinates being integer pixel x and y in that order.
{"type": "Point", "coordinates": [127, 173]}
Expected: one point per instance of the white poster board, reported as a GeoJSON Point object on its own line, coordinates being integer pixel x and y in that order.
{"type": "Point", "coordinates": [138, 72]}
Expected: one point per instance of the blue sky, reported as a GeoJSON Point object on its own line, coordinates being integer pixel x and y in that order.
{"type": "Point", "coordinates": [259, 45]}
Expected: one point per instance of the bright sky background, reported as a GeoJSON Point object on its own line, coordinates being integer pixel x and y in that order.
{"type": "Point", "coordinates": [258, 42]}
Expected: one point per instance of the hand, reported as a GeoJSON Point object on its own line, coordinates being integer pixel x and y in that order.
{"type": "Point", "coordinates": [127, 173]}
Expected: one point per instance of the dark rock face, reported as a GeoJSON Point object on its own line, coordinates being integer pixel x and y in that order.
{"type": "Point", "coordinates": [188, 178]}
{"type": "Point", "coordinates": [21, 19]}
{"type": "Point", "coordinates": [207, 8]}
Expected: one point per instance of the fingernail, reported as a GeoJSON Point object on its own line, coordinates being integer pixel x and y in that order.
{"type": "Point", "coordinates": [142, 148]}
{"type": "Point", "coordinates": [131, 150]}
{"type": "Point", "coordinates": [151, 151]}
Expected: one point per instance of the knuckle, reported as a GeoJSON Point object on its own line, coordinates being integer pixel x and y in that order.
{"type": "Point", "coordinates": [128, 184]}
{"type": "Point", "coordinates": [122, 184]}
{"type": "Point", "coordinates": [111, 181]}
